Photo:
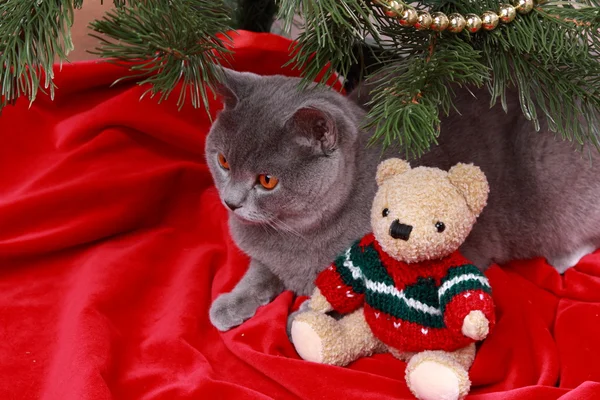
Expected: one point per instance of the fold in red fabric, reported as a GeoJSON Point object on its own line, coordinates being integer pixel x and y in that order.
{"type": "Point", "coordinates": [113, 244]}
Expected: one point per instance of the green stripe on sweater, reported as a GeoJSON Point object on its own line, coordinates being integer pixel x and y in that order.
{"type": "Point", "coordinates": [425, 290]}
{"type": "Point", "coordinates": [395, 307]}
{"type": "Point", "coordinates": [356, 257]}
{"type": "Point", "coordinates": [373, 270]}
{"type": "Point", "coordinates": [371, 265]}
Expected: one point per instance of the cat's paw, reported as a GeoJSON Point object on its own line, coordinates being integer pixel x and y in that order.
{"type": "Point", "coordinates": [230, 310]}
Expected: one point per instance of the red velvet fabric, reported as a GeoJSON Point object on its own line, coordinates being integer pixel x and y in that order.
{"type": "Point", "coordinates": [113, 244]}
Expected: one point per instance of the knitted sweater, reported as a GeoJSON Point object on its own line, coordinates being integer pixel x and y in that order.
{"type": "Point", "coordinates": [410, 307]}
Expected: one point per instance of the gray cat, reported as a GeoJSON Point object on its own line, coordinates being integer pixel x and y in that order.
{"type": "Point", "coordinates": [294, 170]}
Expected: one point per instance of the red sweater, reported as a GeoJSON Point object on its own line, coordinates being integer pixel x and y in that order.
{"type": "Point", "coordinates": [410, 307]}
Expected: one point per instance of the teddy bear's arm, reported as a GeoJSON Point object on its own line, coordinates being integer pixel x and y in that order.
{"type": "Point", "coordinates": [342, 283]}
{"type": "Point", "coordinates": [464, 290]}
{"type": "Point", "coordinates": [319, 303]}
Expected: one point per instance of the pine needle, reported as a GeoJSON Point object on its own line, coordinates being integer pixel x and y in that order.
{"type": "Point", "coordinates": [550, 56]}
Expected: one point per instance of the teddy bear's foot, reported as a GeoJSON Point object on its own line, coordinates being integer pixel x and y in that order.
{"type": "Point", "coordinates": [307, 341]}
{"type": "Point", "coordinates": [322, 339]}
{"type": "Point", "coordinates": [436, 375]}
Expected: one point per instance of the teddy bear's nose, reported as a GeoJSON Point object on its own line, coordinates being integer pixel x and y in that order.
{"type": "Point", "coordinates": [400, 231]}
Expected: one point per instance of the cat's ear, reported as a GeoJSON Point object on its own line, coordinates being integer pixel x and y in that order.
{"type": "Point", "coordinates": [315, 128]}
{"type": "Point", "coordinates": [234, 86]}
{"type": "Point", "coordinates": [230, 100]}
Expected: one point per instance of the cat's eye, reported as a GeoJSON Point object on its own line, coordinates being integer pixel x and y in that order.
{"type": "Point", "coordinates": [223, 161]}
{"type": "Point", "coordinates": [385, 212]}
{"type": "Point", "coordinates": [440, 226]}
{"type": "Point", "coordinates": [268, 181]}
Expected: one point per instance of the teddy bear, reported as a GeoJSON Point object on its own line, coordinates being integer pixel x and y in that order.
{"type": "Point", "coordinates": [405, 287]}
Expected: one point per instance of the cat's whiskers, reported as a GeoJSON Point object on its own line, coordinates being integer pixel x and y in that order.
{"type": "Point", "coordinates": [276, 228]}
{"type": "Point", "coordinates": [285, 228]}
{"type": "Point", "coordinates": [264, 227]}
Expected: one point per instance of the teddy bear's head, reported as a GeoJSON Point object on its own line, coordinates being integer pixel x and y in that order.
{"type": "Point", "coordinates": [426, 213]}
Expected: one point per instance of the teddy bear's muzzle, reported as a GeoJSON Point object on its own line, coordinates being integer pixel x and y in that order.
{"type": "Point", "coordinates": [400, 231]}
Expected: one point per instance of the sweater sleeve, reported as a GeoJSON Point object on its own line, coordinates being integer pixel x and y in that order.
{"type": "Point", "coordinates": [464, 289]}
{"type": "Point", "coordinates": [342, 282]}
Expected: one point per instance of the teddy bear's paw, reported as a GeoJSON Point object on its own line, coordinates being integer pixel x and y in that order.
{"type": "Point", "coordinates": [307, 342]}
{"type": "Point", "coordinates": [476, 326]}
{"type": "Point", "coordinates": [434, 377]}
{"type": "Point", "coordinates": [319, 338]}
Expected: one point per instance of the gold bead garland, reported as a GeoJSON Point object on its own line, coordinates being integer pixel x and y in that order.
{"type": "Point", "coordinates": [455, 23]}
{"type": "Point", "coordinates": [524, 6]}
{"type": "Point", "coordinates": [394, 8]}
{"type": "Point", "coordinates": [423, 20]}
{"type": "Point", "coordinates": [408, 17]}
{"type": "Point", "coordinates": [489, 20]}
{"type": "Point", "coordinates": [473, 22]}
{"type": "Point", "coordinates": [440, 21]}
{"type": "Point", "coordinates": [507, 13]}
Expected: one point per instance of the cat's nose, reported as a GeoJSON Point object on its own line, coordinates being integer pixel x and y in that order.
{"type": "Point", "coordinates": [232, 206]}
{"type": "Point", "coordinates": [400, 231]}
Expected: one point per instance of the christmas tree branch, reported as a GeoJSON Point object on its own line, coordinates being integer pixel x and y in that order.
{"type": "Point", "coordinates": [332, 29]}
{"type": "Point", "coordinates": [32, 34]}
{"type": "Point", "coordinates": [548, 54]}
{"type": "Point", "coordinates": [549, 57]}
{"type": "Point", "coordinates": [166, 42]}
{"type": "Point", "coordinates": [410, 94]}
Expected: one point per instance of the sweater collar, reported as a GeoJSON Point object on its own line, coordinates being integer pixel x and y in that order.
{"type": "Point", "coordinates": [409, 273]}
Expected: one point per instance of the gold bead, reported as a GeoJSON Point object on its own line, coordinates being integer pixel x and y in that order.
{"type": "Point", "coordinates": [409, 17]}
{"type": "Point", "coordinates": [524, 6]}
{"type": "Point", "coordinates": [456, 23]}
{"type": "Point", "coordinates": [473, 23]}
{"type": "Point", "coordinates": [439, 22]}
{"type": "Point", "coordinates": [423, 20]}
{"type": "Point", "coordinates": [393, 8]}
{"type": "Point", "coordinates": [507, 13]}
{"type": "Point", "coordinates": [489, 20]}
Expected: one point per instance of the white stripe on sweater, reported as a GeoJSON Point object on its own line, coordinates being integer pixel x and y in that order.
{"type": "Point", "coordinates": [461, 278]}
{"type": "Point", "coordinates": [356, 272]}
{"type": "Point", "coordinates": [381, 287]}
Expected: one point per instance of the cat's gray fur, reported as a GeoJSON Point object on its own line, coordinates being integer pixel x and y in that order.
{"type": "Point", "coordinates": [543, 200]}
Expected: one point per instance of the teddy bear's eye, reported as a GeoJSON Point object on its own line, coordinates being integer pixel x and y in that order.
{"type": "Point", "coordinates": [440, 226]}
{"type": "Point", "coordinates": [385, 212]}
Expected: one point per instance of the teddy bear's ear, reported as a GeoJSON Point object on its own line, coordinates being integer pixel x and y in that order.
{"type": "Point", "coordinates": [472, 184]}
{"type": "Point", "coordinates": [389, 168]}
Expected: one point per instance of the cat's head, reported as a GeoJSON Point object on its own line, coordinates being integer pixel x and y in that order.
{"type": "Point", "coordinates": [280, 156]}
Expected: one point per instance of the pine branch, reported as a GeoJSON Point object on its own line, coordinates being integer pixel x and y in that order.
{"type": "Point", "coordinates": [549, 54]}
{"type": "Point", "coordinates": [550, 58]}
{"type": "Point", "coordinates": [166, 42]}
{"type": "Point", "coordinates": [411, 94]}
{"type": "Point", "coordinates": [32, 34]}
{"type": "Point", "coordinates": [332, 29]}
